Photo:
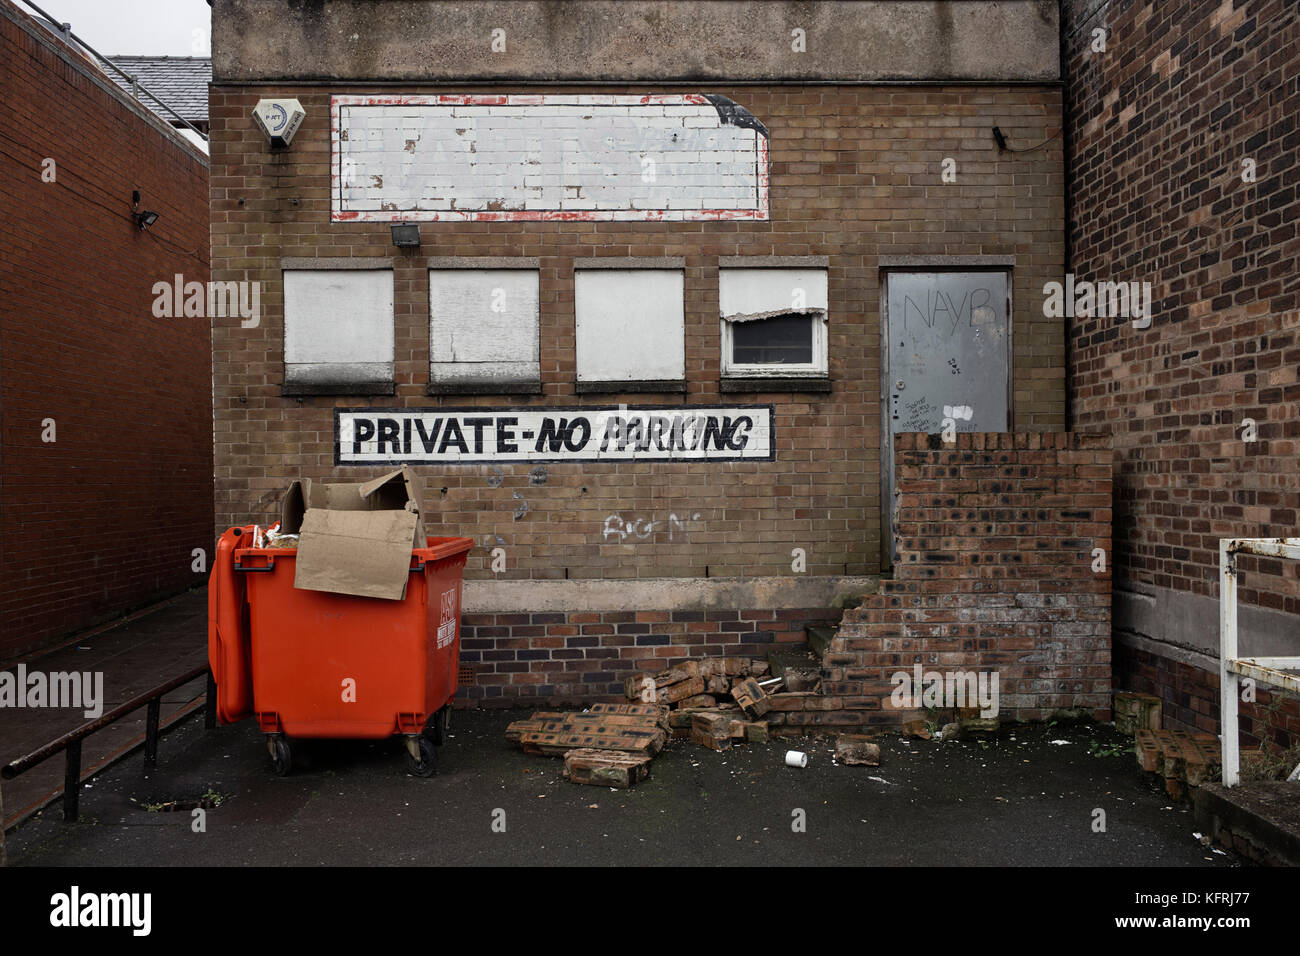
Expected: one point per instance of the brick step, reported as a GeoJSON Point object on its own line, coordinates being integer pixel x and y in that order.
{"type": "Point", "coordinates": [819, 638]}
{"type": "Point", "coordinates": [798, 666]}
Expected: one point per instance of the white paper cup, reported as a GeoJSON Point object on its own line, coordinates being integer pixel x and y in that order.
{"type": "Point", "coordinates": [796, 758]}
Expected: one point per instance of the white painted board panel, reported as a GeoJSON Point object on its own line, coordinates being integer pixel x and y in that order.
{"type": "Point", "coordinates": [630, 324]}
{"type": "Point", "coordinates": [746, 291]}
{"type": "Point", "coordinates": [338, 317]}
{"type": "Point", "coordinates": [483, 316]}
{"type": "Point", "coordinates": [552, 156]}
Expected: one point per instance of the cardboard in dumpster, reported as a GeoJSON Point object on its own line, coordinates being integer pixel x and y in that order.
{"type": "Point", "coordinates": [355, 538]}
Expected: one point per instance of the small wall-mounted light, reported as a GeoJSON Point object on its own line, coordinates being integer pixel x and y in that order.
{"type": "Point", "coordinates": [1002, 140]}
{"type": "Point", "coordinates": [144, 218]}
{"type": "Point", "coordinates": [405, 234]}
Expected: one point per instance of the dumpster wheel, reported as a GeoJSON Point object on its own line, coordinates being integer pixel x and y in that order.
{"type": "Point", "coordinates": [437, 725]}
{"type": "Point", "coordinates": [281, 754]}
{"type": "Point", "coordinates": [427, 762]}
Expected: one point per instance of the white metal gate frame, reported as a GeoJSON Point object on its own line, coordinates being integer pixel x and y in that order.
{"type": "Point", "coordinates": [1265, 670]}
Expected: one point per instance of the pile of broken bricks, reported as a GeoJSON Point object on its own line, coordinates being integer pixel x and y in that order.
{"type": "Point", "coordinates": [716, 703]}
{"type": "Point", "coordinates": [1176, 761]}
{"type": "Point", "coordinates": [607, 745]}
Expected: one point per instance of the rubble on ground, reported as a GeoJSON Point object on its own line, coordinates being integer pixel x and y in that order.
{"type": "Point", "coordinates": [717, 703]}
{"type": "Point", "coordinates": [857, 750]}
{"type": "Point", "coordinates": [607, 745]}
{"type": "Point", "coordinates": [631, 728]}
{"type": "Point", "coordinates": [606, 768]}
{"type": "Point", "coordinates": [736, 694]}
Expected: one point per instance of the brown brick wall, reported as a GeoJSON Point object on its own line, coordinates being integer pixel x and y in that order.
{"type": "Point", "coordinates": [104, 518]}
{"type": "Point", "coordinates": [581, 656]}
{"type": "Point", "coordinates": [855, 174]}
{"type": "Point", "coordinates": [996, 535]}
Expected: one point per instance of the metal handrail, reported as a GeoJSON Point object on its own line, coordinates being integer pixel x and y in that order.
{"type": "Point", "coordinates": [1232, 667]}
{"type": "Point", "coordinates": [136, 86]}
{"type": "Point", "coordinates": [70, 743]}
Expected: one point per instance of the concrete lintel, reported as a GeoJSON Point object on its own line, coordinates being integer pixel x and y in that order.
{"type": "Point", "coordinates": [1172, 652]}
{"type": "Point", "coordinates": [484, 262]}
{"type": "Point", "coordinates": [774, 262]}
{"type": "Point", "coordinates": [634, 262]}
{"type": "Point", "coordinates": [662, 594]}
{"type": "Point", "coordinates": [336, 262]}
{"type": "Point", "coordinates": [747, 385]}
{"type": "Point", "coordinates": [940, 262]}
{"type": "Point", "coordinates": [521, 387]}
{"type": "Point", "coordinates": [647, 387]}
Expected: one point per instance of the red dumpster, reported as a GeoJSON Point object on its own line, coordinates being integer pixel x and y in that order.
{"type": "Point", "coordinates": [317, 664]}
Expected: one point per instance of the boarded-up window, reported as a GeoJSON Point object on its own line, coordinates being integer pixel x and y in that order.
{"type": "Point", "coordinates": [773, 321]}
{"type": "Point", "coordinates": [338, 331]}
{"type": "Point", "coordinates": [630, 325]}
{"type": "Point", "coordinates": [483, 326]}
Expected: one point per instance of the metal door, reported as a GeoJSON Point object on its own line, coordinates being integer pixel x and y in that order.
{"type": "Point", "coordinates": [947, 338]}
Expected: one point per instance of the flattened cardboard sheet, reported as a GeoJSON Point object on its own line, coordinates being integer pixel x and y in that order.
{"type": "Point", "coordinates": [363, 553]}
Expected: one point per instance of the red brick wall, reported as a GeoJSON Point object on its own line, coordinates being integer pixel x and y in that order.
{"type": "Point", "coordinates": [581, 656]}
{"type": "Point", "coordinates": [855, 174]}
{"type": "Point", "coordinates": [996, 534]}
{"type": "Point", "coordinates": [1190, 699]}
{"type": "Point", "coordinates": [1159, 125]}
{"type": "Point", "coordinates": [104, 518]}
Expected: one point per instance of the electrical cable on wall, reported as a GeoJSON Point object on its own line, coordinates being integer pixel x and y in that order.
{"type": "Point", "coordinates": [1002, 142]}
{"type": "Point", "coordinates": [193, 253]}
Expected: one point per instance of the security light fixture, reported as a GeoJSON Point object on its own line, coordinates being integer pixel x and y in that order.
{"type": "Point", "coordinates": [405, 234]}
{"type": "Point", "coordinates": [144, 218]}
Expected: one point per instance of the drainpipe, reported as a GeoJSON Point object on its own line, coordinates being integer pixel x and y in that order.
{"type": "Point", "coordinates": [1067, 193]}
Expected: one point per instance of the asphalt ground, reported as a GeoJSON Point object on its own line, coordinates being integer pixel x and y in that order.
{"type": "Point", "coordinates": [1023, 799]}
{"type": "Point", "coordinates": [131, 656]}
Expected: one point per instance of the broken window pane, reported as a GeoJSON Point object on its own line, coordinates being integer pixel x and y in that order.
{"type": "Point", "coordinates": [780, 340]}
{"type": "Point", "coordinates": [773, 320]}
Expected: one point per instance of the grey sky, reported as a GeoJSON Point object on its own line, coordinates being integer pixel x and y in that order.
{"type": "Point", "coordinates": [142, 27]}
